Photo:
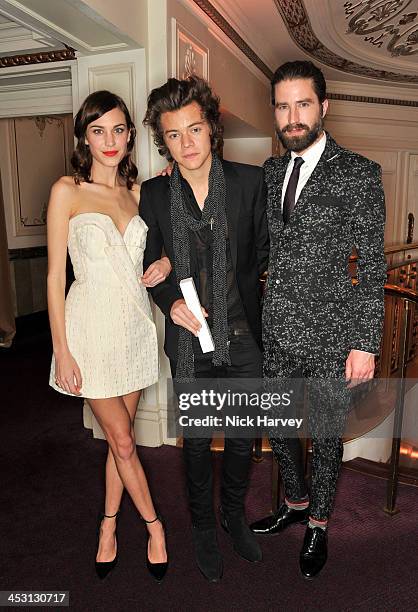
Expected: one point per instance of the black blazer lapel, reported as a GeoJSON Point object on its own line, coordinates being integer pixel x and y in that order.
{"type": "Point", "coordinates": [276, 201]}
{"type": "Point", "coordinates": [233, 204]}
{"type": "Point", "coordinates": [165, 219]}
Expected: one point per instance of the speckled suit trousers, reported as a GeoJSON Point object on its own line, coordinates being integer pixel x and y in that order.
{"type": "Point", "coordinates": [313, 314]}
{"type": "Point", "coordinates": [326, 409]}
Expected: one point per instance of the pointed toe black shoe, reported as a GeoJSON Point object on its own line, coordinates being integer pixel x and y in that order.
{"type": "Point", "coordinates": [103, 568]}
{"type": "Point", "coordinates": [157, 570]}
{"type": "Point", "coordinates": [276, 522]}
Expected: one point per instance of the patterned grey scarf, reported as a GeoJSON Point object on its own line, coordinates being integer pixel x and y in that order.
{"type": "Point", "coordinates": [213, 214]}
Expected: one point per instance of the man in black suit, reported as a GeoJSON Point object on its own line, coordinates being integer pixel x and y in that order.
{"type": "Point", "coordinates": [323, 200]}
{"type": "Point", "coordinates": [209, 217]}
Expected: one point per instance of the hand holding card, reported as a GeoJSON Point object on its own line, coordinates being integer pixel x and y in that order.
{"type": "Point", "coordinates": [191, 298]}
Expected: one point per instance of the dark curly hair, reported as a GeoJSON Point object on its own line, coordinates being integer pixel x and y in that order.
{"type": "Point", "coordinates": [94, 106]}
{"type": "Point", "coordinates": [176, 94]}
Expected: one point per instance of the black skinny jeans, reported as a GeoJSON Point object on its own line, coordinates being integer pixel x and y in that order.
{"type": "Point", "coordinates": [246, 362]}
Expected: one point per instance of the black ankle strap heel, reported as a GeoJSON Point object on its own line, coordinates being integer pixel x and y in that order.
{"type": "Point", "coordinates": [157, 518]}
{"type": "Point", "coordinates": [103, 515]}
{"type": "Point", "coordinates": [103, 568]}
{"type": "Point", "coordinates": [157, 570]}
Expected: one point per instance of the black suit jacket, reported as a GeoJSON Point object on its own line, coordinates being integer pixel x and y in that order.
{"type": "Point", "coordinates": [247, 232]}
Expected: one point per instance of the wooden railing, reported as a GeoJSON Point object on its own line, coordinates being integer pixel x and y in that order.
{"type": "Point", "coordinates": [406, 300]}
{"type": "Point", "coordinates": [402, 262]}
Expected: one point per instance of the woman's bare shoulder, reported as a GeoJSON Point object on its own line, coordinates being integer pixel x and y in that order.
{"type": "Point", "coordinates": [63, 192]}
{"type": "Point", "coordinates": [64, 185]}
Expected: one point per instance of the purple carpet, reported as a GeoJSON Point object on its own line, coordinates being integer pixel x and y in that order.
{"type": "Point", "coordinates": [52, 489]}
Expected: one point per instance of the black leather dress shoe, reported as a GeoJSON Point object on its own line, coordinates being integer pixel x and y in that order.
{"type": "Point", "coordinates": [208, 557]}
{"type": "Point", "coordinates": [245, 543]}
{"type": "Point", "coordinates": [313, 555]}
{"type": "Point", "coordinates": [275, 523]}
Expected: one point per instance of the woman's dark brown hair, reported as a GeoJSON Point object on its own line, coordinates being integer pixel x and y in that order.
{"type": "Point", "coordinates": [176, 94]}
{"type": "Point", "coordinates": [94, 106]}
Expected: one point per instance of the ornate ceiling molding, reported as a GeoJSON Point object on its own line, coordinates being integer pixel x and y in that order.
{"type": "Point", "coordinates": [38, 58]}
{"type": "Point", "coordinates": [227, 29]}
{"type": "Point", "coordinates": [221, 22]}
{"type": "Point", "coordinates": [385, 24]}
{"type": "Point", "coordinates": [299, 27]}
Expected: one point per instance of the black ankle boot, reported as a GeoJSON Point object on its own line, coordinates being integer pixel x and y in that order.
{"type": "Point", "coordinates": [244, 541]}
{"type": "Point", "coordinates": [208, 558]}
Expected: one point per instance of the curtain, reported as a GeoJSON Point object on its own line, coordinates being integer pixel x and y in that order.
{"type": "Point", "coordinates": [7, 319]}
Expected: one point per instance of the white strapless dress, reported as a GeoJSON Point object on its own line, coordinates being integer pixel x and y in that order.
{"type": "Point", "coordinates": [108, 320]}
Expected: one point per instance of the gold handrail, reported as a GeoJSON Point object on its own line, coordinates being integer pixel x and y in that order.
{"type": "Point", "coordinates": [402, 292]}
{"type": "Point", "coordinates": [398, 248]}
{"type": "Point", "coordinates": [408, 298]}
{"type": "Point", "coordinates": [393, 250]}
{"type": "Point", "coordinates": [401, 264]}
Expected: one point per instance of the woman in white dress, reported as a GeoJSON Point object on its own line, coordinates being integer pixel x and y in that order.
{"type": "Point", "coordinates": [104, 338]}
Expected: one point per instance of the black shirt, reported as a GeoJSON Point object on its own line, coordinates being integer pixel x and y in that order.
{"type": "Point", "coordinates": [201, 267]}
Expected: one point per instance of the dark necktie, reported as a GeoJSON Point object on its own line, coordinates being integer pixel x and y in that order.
{"type": "Point", "coordinates": [289, 198]}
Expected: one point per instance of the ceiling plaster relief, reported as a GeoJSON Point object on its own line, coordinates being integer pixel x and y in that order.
{"type": "Point", "coordinates": [366, 17]}
{"type": "Point", "coordinates": [385, 24]}
{"type": "Point", "coordinates": [296, 20]}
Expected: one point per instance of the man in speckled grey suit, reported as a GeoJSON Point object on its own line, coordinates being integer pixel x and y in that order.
{"type": "Point", "coordinates": [323, 200]}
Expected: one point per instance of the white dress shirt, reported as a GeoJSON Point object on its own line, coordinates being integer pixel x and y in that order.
{"type": "Point", "coordinates": [311, 158]}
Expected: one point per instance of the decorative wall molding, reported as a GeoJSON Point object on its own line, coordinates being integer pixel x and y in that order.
{"type": "Point", "coordinates": [36, 89]}
{"type": "Point", "coordinates": [223, 24]}
{"type": "Point", "coordinates": [189, 55]}
{"type": "Point", "coordinates": [100, 77]}
{"type": "Point", "coordinates": [41, 57]}
{"type": "Point", "coordinates": [35, 101]}
{"type": "Point", "coordinates": [125, 73]}
{"type": "Point", "coordinates": [300, 29]}
{"type": "Point", "coordinates": [48, 138]}
{"type": "Point", "coordinates": [384, 91]}
{"type": "Point", "coordinates": [16, 10]}
{"type": "Point", "coordinates": [14, 37]}
{"type": "Point", "coordinates": [371, 99]}
{"type": "Point", "coordinates": [24, 87]}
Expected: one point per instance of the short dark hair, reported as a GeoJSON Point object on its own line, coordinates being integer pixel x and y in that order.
{"type": "Point", "coordinates": [94, 106]}
{"type": "Point", "coordinates": [300, 70]}
{"type": "Point", "coordinates": [174, 95]}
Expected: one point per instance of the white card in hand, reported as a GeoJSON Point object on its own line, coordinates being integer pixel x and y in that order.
{"type": "Point", "coordinates": [191, 298]}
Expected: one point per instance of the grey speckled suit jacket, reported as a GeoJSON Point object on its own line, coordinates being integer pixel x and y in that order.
{"type": "Point", "coordinates": [310, 302]}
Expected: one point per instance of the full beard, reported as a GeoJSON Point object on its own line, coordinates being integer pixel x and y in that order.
{"type": "Point", "coordinates": [300, 143]}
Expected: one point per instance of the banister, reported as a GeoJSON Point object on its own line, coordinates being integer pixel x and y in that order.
{"type": "Point", "coordinates": [398, 248]}
{"type": "Point", "coordinates": [401, 292]}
